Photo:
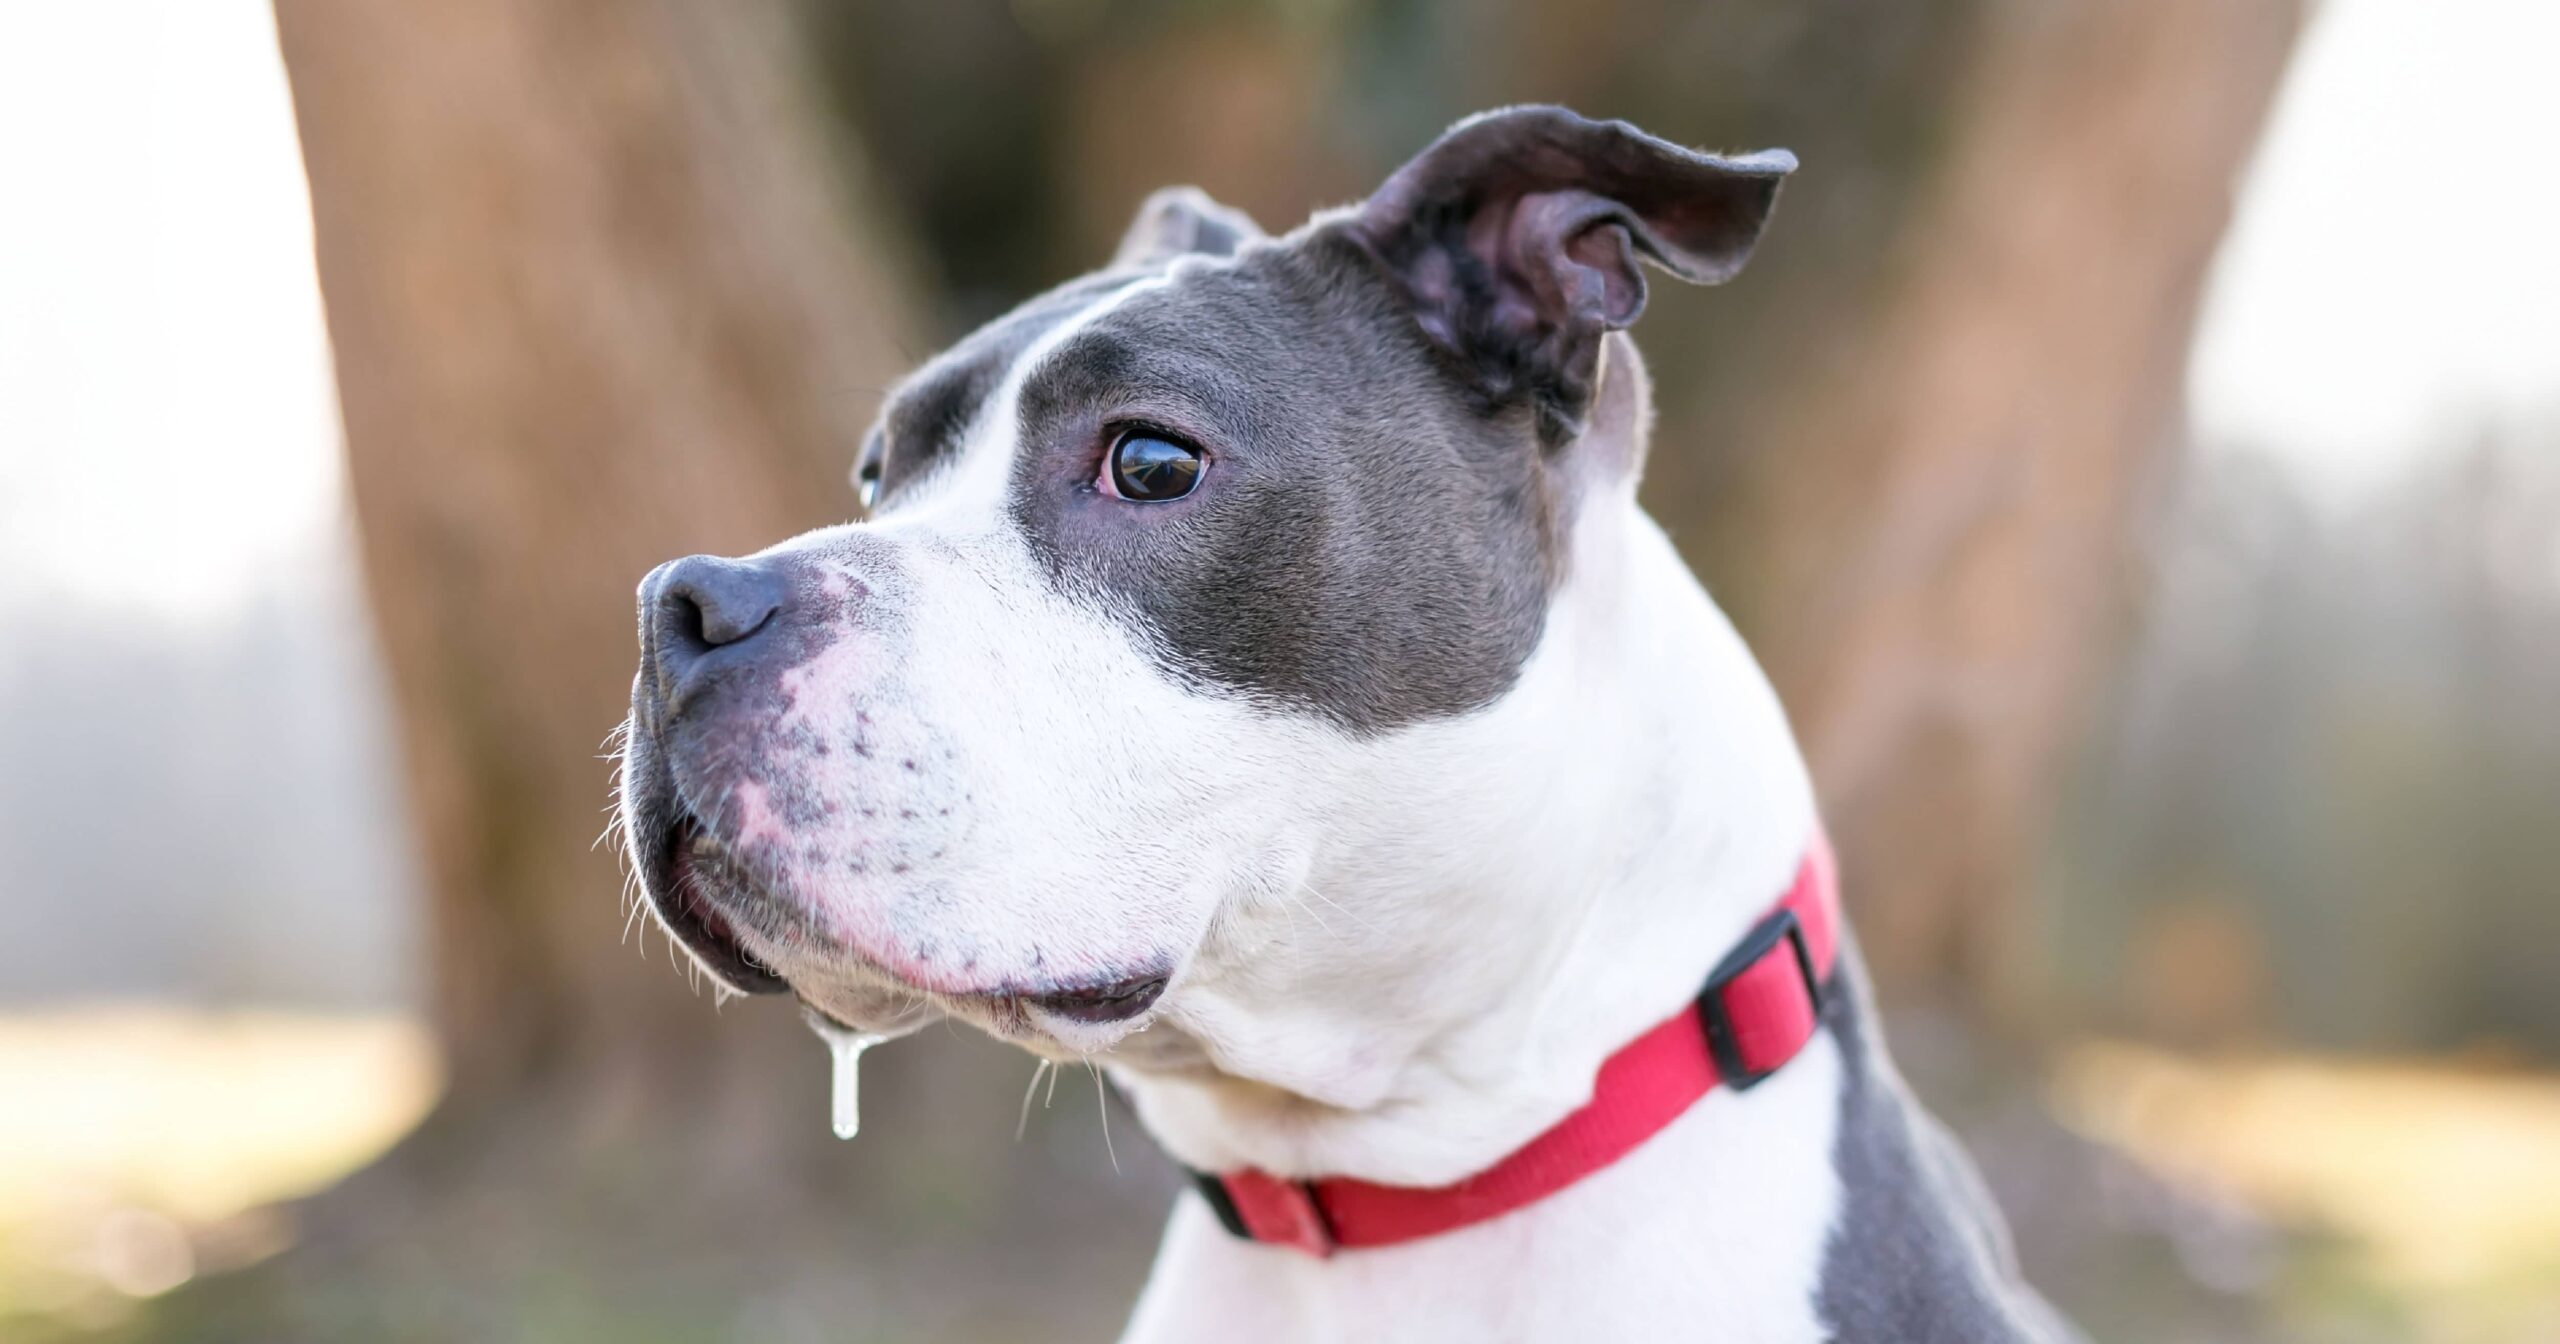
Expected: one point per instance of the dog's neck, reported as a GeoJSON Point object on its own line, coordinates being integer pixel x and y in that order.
{"type": "Point", "coordinates": [1488, 907]}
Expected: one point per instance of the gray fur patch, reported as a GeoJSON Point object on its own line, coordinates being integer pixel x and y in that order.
{"type": "Point", "coordinates": [1918, 1254]}
{"type": "Point", "coordinates": [929, 414]}
{"type": "Point", "coordinates": [1366, 543]}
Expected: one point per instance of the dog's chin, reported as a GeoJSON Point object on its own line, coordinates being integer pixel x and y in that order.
{"type": "Point", "coordinates": [1059, 1021]}
{"type": "Point", "coordinates": [729, 925]}
{"type": "Point", "coordinates": [754, 941]}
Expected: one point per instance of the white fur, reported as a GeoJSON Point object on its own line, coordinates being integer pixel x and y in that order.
{"type": "Point", "coordinates": [1591, 842]}
{"type": "Point", "coordinates": [1398, 958]}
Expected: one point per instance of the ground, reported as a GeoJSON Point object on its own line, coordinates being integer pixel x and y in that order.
{"type": "Point", "coordinates": [2241, 1199]}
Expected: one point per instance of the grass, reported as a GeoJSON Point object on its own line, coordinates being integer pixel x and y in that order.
{"type": "Point", "coordinates": [2424, 1196]}
{"type": "Point", "coordinates": [141, 1145]}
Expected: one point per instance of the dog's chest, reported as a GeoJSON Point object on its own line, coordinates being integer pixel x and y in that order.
{"type": "Point", "coordinates": [1714, 1230]}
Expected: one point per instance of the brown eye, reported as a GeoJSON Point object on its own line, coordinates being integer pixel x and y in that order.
{"type": "Point", "coordinates": [867, 466]}
{"type": "Point", "coordinates": [1148, 468]}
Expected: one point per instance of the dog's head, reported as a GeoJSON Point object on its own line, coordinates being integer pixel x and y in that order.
{"type": "Point", "coordinates": [1182, 582]}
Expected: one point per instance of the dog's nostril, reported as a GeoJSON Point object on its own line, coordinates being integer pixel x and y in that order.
{"type": "Point", "coordinates": [698, 607]}
{"type": "Point", "coordinates": [684, 619]}
{"type": "Point", "coordinates": [708, 603]}
{"type": "Point", "coordinates": [708, 619]}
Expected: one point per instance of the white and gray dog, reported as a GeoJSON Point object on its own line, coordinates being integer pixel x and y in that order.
{"type": "Point", "coordinates": [1256, 675]}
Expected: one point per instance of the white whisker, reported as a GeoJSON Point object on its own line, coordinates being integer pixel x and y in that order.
{"type": "Point", "coordinates": [1023, 1121]}
{"type": "Point", "coordinates": [1102, 1103]}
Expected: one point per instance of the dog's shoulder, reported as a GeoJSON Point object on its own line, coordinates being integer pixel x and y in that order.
{"type": "Point", "coordinates": [1919, 1253]}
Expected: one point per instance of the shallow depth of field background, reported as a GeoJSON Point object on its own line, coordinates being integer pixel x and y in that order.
{"type": "Point", "coordinates": [2136, 454]}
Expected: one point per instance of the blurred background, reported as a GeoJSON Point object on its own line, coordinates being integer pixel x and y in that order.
{"type": "Point", "coordinates": [2135, 453]}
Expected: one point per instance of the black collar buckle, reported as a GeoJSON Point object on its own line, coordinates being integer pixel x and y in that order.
{"type": "Point", "coordinates": [1778, 926]}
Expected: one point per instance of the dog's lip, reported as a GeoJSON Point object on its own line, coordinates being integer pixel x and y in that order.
{"type": "Point", "coordinates": [702, 896]}
{"type": "Point", "coordinates": [697, 909]}
{"type": "Point", "coordinates": [1103, 1003]}
{"type": "Point", "coordinates": [692, 918]}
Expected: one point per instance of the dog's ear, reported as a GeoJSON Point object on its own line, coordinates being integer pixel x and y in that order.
{"type": "Point", "coordinates": [1515, 238]}
{"type": "Point", "coordinates": [1178, 220]}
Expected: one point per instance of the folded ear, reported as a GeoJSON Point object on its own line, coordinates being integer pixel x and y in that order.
{"type": "Point", "coordinates": [1176, 220]}
{"type": "Point", "coordinates": [1515, 238]}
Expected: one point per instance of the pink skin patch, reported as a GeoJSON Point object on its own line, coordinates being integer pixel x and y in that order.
{"type": "Point", "coordinates": [756, 821]}
{"type": "Point", "coordinates": [833, 677]}
{"type": "Point", "coordinates": [843, 868]}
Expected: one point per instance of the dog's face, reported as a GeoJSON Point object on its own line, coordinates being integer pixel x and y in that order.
{"type": "Point", "coordinates": [1176, 576]}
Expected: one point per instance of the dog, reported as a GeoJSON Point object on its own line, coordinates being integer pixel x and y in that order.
{"type": "Point", "coordinates": [1255, 674]}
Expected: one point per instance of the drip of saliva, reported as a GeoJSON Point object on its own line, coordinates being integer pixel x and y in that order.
{"type": "Point", "coordinates": [844, 1093]}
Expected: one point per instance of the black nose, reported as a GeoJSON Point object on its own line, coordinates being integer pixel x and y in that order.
{"type": "Point", "coordinates": [701, 614]}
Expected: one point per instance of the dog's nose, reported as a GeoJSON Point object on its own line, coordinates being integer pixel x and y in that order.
{"type": "Point", "coordinates": [702, 613]}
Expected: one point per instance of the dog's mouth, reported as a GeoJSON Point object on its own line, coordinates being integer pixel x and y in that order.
{"type": "Point", "coordinates": [702, 894]}
{"type": "Point", "coordinates": [683, 865]}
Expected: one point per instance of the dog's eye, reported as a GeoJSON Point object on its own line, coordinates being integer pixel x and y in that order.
{"type": "Point", "coordinates": [867, 464]}
{"type": "Point", "coordinates": [1149, 468]}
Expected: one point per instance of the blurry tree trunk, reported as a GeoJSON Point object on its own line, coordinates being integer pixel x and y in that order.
{"type": "Point", "coordinates": [595, 303]}
{"type": "Point", "coordinates": [597, 300]}
{"type": "Point", "coordinates": [1935, 533]}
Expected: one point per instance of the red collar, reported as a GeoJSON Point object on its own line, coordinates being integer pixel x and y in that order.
{"type": "Point", "coordinates": [1760, 1006]}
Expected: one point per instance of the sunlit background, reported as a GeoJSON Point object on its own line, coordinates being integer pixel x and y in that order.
{"type": "Point", "coordinates": [2300, 912]}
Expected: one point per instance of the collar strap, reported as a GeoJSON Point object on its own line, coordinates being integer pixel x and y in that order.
{"type": "Point", "coordinates": [1760, 1006]}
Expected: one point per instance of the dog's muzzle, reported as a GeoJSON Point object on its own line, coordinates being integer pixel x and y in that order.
{"type": "Point", "coordinates": [713, 639]}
